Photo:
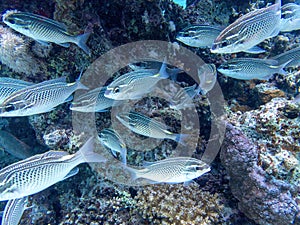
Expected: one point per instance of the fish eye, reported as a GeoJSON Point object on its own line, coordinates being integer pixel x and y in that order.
{"type": "Point", "coordinates": [116, 90]}
{"type": "Point", "coordinates": [12, 21]}
{"type": "Point", "coordinates": [9, 108]}
{"type": "Point", "coordinates": [224, 44]}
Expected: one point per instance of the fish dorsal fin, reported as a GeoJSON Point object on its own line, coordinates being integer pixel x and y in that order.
{"type": "Point", "coordinates": [58, 25]}
{"type": "Point", "coordinates": [53, 154]}
{"type": "Point", "coordinates": [147, 163]}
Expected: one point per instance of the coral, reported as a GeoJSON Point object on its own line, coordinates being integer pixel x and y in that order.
{"type": "Point", "coordinates": [178, 204]}
{"type": "Point", "coordinates": [15, 54]}
{"type": "Point", "coordinates": [265, 200]}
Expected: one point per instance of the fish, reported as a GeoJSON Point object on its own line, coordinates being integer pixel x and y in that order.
{"type": "Point", "coordinates": [148, 127]}
{"type": "Point", "coordinates": [14, 146]}
{"type": "Point", "coordinates": [171, 170]}
{"type": "Point", "coordinates": [292, 56]}
{"type": "Point", "coordinates": [251, 68]}
{"type": "Point", "coordinates": [135, 84]}
{"type": "Point", "coordinates": [10, 85]}
{"type": "Point", "coordinates": [249, 30]}
{"type": "Point", "coordinates": [207, 74]}
{"type": "Point", "coordinates": [43, 29]}
{"type": "Point", "coordinates": [110, 139]}
{"type": "Point", "coordinates": [34, 174]}
{"type": "Point", "coordinates": [94, 101]}
{"type": "Point", "coordinates": [184, 97]}
{"type": "Point", "coordinates": [290, 17]}
{"type": "Point", "coordinates": [199, 36]}
{"type": "Point", "coordinates": [14, 210]}
{"type": "Point", "coordinates": [39, 98]}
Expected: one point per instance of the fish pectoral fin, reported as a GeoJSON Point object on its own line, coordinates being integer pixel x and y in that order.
{"type": "Point", "coordinates": [73, 172]}
{"type": "Point", "coordinates": [44, 43]}
{"type": "Point", "coordinates": [255, 50]}
{"type": "Point", "coordinates": [66, 45]}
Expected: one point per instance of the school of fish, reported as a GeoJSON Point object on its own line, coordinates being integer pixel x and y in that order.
{"type": "Point", "coordinates": [35, 173]}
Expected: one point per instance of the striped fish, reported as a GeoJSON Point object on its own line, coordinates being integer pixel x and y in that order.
{"type": "Point", "coordinates": [135, 84]}
{"type": "Point", "coordinates": [14, 210]}
{"type": "Point", "coordinates": [44, 30]}
{"type": "Point", "coordinates": [148, 127]}
{"type": "Point", "coordinates": [251, 68]}
{"type": "Point", "coordinates": [171, 170]}
{"type": "Point", "coordinates": [249, 30]}
{"type": "Point", "coordinates": [34, 174]}
{"type": "Point", "coordinates": [10, 85]}
{"type": "Point", "coordinates": [199, 36]}
{"type": "Point", "coordinates": [290, 17]}
{"type": "Point", "coordinates": [207, 74]}
{"type": "Point", "coordinates": [93, 101]}
{"type": "Point", "coordinates": [39, 98]}
{"type": "Point", "coordinates": [110, 139]}
{"type": "Point", "coordinates": [184, 97]}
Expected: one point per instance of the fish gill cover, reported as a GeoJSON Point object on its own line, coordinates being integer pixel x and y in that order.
{"type": "Point", "coordinates": [163, 166]}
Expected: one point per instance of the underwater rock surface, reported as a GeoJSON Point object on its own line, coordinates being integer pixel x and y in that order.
{"type": "Point", "coordinates": [263, 199]}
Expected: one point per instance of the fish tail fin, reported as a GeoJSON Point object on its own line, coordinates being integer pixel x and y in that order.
{"type": "Point", "coordinates": [133, 172]}
{"type": "Point", "coordinates": [282, 66]}
{"type": "Point", "coordinates": [163, 71]}
{"type": "Point", "coordinates": [87, 154]}
{"type": "Point", "coordinates": [79, 84]}
{"type": "Point", "coordinates": [81, 42]}
{"type": "Point", "coordinates": [181, 138]}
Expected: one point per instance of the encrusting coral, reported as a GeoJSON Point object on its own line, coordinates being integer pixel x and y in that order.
{"type": "Point", "coordinates": [179, 204]}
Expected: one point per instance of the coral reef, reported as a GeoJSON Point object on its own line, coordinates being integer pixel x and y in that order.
{"type": "Point", "coordinates": [177, 204]}
{"type": "Point", "coordinates": [15, 54]}
{"type": "Point", "coordinates": [264, 199]}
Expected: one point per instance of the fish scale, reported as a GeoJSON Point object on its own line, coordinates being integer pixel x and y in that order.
{"type": "Point", "coordinates": [249, 30]}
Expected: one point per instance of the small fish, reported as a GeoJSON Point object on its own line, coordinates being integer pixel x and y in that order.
{"type": "Point", "coordinates": [199, 36]}
{"type": "Point", "coordinates": [292, 56]}
{"type": "Point", "coordinates": [39, 98]}
{"type": "Point", "coordinates": [171, 170]}
{"type": "Point", "coordinates": [44, 30]}
{"type": "Point", "coordinates": [14, 146]}
{"type": "Point", "coordinates": [39, 172]}
{"type": "Point", "coordinates": [290, 17]}
{"type": "Point", "coordinates": [14, 210]}
{"type": "Point", "coordinates": [208, 76]}
{"type": "Point", "coordinates": [113, 141]}
{"type": "Point", "coordinates": [93, 101]}
{"type": "Point", "coordinates": [251, 68]}
{"type": "Point", "coordinates": [10, 85]}
{"type": "Point", "coordinates": [135, 84]}
{"type": "Point", "coordinates": [249, 30]}
{"type": "Point", "coordinates": [148, 127]}
{"type": "Point", "coordinates": [184, 97]}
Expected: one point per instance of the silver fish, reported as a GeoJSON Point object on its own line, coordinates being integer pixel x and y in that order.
{"type": "Point", "coordinates": [39, 172]}
{"type": "Point", "coordinates": [249, 30]}
{"type": "Point", "coordinates": [113, 141]}
{"type": "Point", "coordinates": [171, 170]}
{"type": "Point", "coordinates": [148, 127]}
{"type": "Point", "coordinates": [135, 84]}
{"type": "Point", "coordinates": [208, 76]}
{"type": "Point", "coordinates": [10, 85]}
{"type": "Point", "coordinates": [39, 98]}
{"type": "Point", "coordinates": [184, 97]}
{"type": "Point", "coordinates": [251, 68]}
{"type": "Point", "coordinates": [14, 146]}
{"type": "Point", "coordinates": [292, 56]}
{"type": "Point", "coordinates": [199, 36]}
{"type": "Point", "coordinates": [290, 17]}
{"type": "Point", "coordinates": [93, 101]}
{"type": "Point", "coordinates": [44, 30]}
{"type": "Point", "coordinates": [14, 210]}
